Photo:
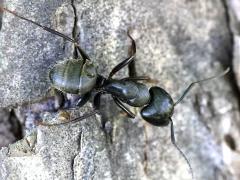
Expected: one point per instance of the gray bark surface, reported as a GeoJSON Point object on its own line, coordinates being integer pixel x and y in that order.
{"type": "Point", "coordinates": [177, 42]}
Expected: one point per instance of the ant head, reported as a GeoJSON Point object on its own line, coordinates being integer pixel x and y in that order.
{"type": "Point", "coordinates": [160, 108]}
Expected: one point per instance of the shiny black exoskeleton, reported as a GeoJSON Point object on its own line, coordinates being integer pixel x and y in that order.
{"type": "Point", "coordinates": [78, 76]}
{"type": "Point", "coordinates": [159, 109]}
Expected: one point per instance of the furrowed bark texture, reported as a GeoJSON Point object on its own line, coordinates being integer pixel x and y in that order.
{"type": "Point", "coordinates": [178, 41]}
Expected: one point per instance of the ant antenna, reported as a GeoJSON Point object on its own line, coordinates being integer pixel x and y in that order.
{"type": "Point", "coordinates": [84, 55]}
{"type": "Point", "coordinates": [200, 81]}
{"type": "Point", "coordinates": [179, 150]}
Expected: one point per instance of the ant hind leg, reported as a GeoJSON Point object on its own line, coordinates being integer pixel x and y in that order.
{"type": "Point", "coordinates": [131, 66]}
{"type": "Point", "coordinates": [127, 61]}
{"type": "Point", "coordinates": [83, 54]}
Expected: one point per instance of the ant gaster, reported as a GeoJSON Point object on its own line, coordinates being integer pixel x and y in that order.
{"type": "Point", "coordinates": [79, 76]}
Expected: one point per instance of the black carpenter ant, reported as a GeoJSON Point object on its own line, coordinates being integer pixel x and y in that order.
{"type": "Point", "coordinates": [79, 76]}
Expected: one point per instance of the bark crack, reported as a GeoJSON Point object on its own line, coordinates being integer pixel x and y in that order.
{"type": "Point", "coordinates": [145, 160]}
{"type": "Point", "coordinates": [72, 167]}
{"type": "Point", "coordinates": [228, 21]}
{"type": "Point", "coordinates": [233, 81]}
{"type": "Point", "coordinates": [78, 151]}
{"type": "Point", "coordinates": [1, 15]}
{"type": "Point", "coordinates": [75, 55]}
{"type": "Point", "coordinates": [75, 29]}
{"type": "Point", "coordinates": [16, 127]}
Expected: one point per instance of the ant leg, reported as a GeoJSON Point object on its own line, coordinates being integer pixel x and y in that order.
{"type": "Point", "coordinates": [84, 116]}
{"type": "Point", "coordinates": [84, 55]}
{"type": "Point", "coordinates": [97, 104]}
{"type": "Point", "coordinates": [131, 66]}
{"type": "Point", "coordinates": [127, 60]}
{"type": "Point", "coordinates": [80, 103]}
{"type": "Point", "coordinates": [200, 81]}
{"type": "Point", "coordinates": [140, 78]}
{"type": "Point", "coordinates": [132, 69]}
{"type": "Point", "coordinates": [124, 108]}
{"type": "Point", "coordinates": [176, 146]}
{"type": "Point", "coordinates": [82, 100]}
{"type": "Point", "coordinates": [97, 100]}
{"type": "Point", "coordinates": [136, 78]}
{"type": "Point", "coordinates": [59, 99]}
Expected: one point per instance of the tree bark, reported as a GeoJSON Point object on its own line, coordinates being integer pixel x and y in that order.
{"type": "Point", "coordinates": [178, 42]}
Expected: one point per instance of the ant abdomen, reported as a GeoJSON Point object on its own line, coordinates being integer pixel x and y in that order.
{"type": "Point", "coordinates": [74, 76]}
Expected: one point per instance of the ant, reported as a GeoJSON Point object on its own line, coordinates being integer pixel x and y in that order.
{"type": "Point", "coordinates": [79, 76]}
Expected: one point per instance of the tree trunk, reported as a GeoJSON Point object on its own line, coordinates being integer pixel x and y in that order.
{"type": "Point", "coordinates": [178, 42]}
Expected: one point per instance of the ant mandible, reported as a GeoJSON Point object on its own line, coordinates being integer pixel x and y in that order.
{"type": "Point", "coordinates": [79, 76]}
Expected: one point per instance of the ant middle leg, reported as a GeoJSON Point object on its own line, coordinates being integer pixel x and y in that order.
{"type": "Point", "coordinates": [84, 116]}
{"type": "Point", "coordinates": [67, 105]}
{"type": "Point", "coordinates": [72, 103]}
{"type": "Point", "coordinates": [123, 107]}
